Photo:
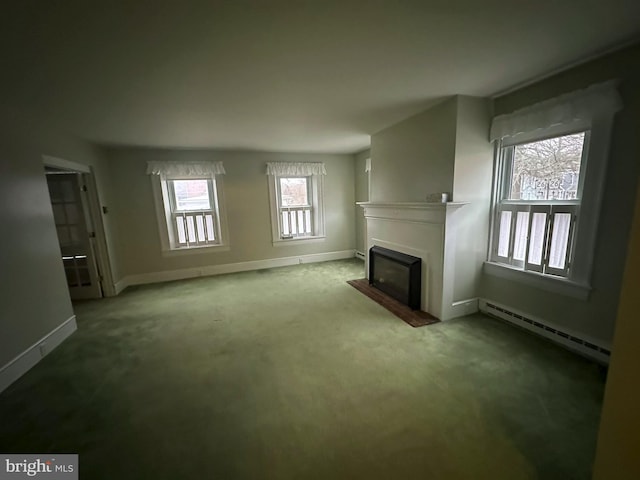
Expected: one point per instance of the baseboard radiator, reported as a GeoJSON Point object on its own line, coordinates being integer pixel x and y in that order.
{"type": "Point", "coordinates": [569, 340]}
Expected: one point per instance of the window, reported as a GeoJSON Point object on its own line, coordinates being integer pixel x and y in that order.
{"type": "Point", "coordinates": [539, 201]}
{"type": "Point", "coordinates": [189, 204]}
{"type": "Point", "coordinates": [294, 207]}
{"type": "Point", "coordinates": [296, 191]}
{"type": "Point", "coordinates": [550, 167]}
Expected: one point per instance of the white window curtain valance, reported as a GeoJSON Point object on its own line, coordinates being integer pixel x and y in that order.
{"type": "Point", "coordinates": [185, 169]}
{"type": "Point", "coordinates": [367, 165]}
{"type": "Point", "coordinates": [602, 98]}
{"type": "Point", "coordinates": [302, 169]}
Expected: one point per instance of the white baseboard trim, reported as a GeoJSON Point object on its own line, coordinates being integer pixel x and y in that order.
{"type": "Point", "coordinates": [463, 307]}
{"type": "Point", "coordinates": [578, 342]}
{"type": "Point", "coordinates": [360, 255]}
{"type": "Point", "coordinates": [21, 364]}
{"type": "Point", "coordinates": [205, 271]}
{"type": "Point", "coordinates": [120, 285]}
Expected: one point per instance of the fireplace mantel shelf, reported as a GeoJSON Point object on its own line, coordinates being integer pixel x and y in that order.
{"type": "Point", "coordinates": [413, 205]}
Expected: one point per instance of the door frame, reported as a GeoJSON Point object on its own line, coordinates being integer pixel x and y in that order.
{"type": "Point", "coordinates": [95, 211]}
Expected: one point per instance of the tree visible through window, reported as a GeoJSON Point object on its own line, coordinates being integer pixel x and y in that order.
{"type": "Point", "coordinates": [294, 191]}
{"type": "Point", "coordinates": [547, 169]}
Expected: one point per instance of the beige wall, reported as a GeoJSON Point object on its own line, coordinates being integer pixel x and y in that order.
{"type": "Point", "coordinates": [362, 195]}
{"type": "Point", "coordinates": [34, 299]}
{"type": "Point", "coordinates": [472, 180]}
{"type": "Point", "coordinates": [595, 317]}
{"type": "Point", "coordinates": [415, 157]}
{"type": "Point", "coordinates": [619, 437]}
{"type": "Point", "coordinates": [247, 204]}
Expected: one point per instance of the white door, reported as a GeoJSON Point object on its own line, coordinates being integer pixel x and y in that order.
{"type": "Point", "coordinates": [74, 234]}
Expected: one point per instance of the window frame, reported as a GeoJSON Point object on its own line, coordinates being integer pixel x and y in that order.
{"type": "Point", "coordinates": [315, 196]}
{"type": "Point", "coordinates": [575, 279]}
{"type": "Point", "coordinates": [167, 213]}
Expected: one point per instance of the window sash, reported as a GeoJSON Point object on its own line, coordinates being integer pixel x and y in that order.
{"type": "Point", "coordinates": [312, 223]}
{"type": "Point", "coordinates": [536, 238]}
{"type": "Point", "coordinates": [506, 154]}
{"type": "Point", "coordinates": [192, 228]}
{"type": "Point", "coordinates": [562, 225]}
{"type": "Point", "coordinates": [172, 194]}
{"type": "Point", "coordinates": [295, 221]}
{"type": "Point", "coordinates": [523, 230]}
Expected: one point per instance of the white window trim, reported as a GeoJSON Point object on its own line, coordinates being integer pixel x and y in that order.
{"type": "Point", "coordinates": [164, 216]}
{"type": "Point", "coordinates": [317, 196]}
{"type": "Point", "coordinates": [578, 282]}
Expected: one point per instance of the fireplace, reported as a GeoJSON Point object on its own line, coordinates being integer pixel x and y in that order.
{"type": "Point", "coordinates": [396, 274]}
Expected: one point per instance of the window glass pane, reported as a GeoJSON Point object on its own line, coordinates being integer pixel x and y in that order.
{"type": "Point", "coordinates": [285, 224]}
{"type": "Point", "coordinates": [547, 169]}
{"type": "Point", "coordinates": [559, 240]}
{"type": "Point", "coordinates": [74, 233]}
{"type": "Point", "coordinates": [520, 240]}
{"type": "Point", "coordinates": [308, 221]}
{"type": "Point", "coordinates": [210, 232]}
{"type": "Point", "coordinates": [505, 233]}
{"type": "Point", "coordinates": [536, 244]}
{"type": "Point", "coordinates": [73, 214]}
{"type": "Point", "coordinates": [182, 236]}
{"type": "Point", "coordinates": [191, 229]}
{"type": "Point", "coordinates": [58, 214]}
{"type": "Point", "coordinates": [293, 191]}
{"type": "Point", "coordinates": [191, 194]}
{"type": "Point", "coordinates": [68, 192]}
{"type": "Point", "coordinates": [63, 235]}
{"type": "Point", "coordinates": [200, 228]}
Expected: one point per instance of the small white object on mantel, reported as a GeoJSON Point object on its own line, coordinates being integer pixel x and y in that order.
{"type": "Point", "coordinates": [426, 230]}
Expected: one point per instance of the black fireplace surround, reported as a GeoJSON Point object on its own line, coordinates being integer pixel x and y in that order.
{"type": "Point", "coordinates": [396, 274]}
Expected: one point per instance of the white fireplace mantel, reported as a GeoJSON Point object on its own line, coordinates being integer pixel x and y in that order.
{"type": "Point", "coordinates": [422, 229]}
{"type": "Point", "coordinates": [410, 211]}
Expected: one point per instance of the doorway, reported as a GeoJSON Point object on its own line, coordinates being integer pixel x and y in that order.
{"type": "Point", "coordinates": [76, 213]}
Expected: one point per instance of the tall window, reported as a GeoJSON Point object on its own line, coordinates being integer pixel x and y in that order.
{"type": "Point", "coordinates": [296, 191]}
{"type": "Point", "coordinates": [194, 219]}
{"type": "Point", "coordinates": [550, 168]}
{"type": "Point", "coordinates": [539, 200]}
{"type": "Point", "coordinates": [295, 209]}
{"type": "Point", "coordinates": [189, 204]}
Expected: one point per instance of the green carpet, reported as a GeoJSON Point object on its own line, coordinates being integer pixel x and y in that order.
{"type": "Point", "coordinates": [291, 373]}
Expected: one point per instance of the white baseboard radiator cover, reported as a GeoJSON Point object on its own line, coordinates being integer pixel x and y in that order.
{"type": "Point", "coordinates": [540, 327]}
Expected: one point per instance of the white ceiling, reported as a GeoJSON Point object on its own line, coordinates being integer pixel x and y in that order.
{"type": "Point", "coordinates": [312, 76]}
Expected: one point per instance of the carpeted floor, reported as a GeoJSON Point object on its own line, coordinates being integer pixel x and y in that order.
{"type": "Point", "coordinates": [291, 373]}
